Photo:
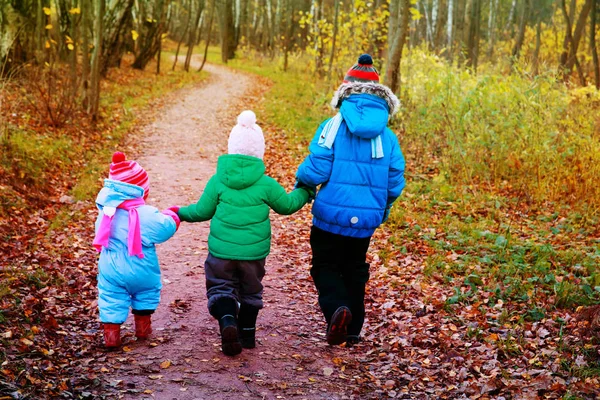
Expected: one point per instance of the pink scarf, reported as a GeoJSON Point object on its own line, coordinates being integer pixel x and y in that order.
{"type": "Point", "coordinates": [134, 238]}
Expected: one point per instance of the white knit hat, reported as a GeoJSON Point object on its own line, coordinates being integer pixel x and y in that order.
{"type": "Point", "coordinates": [247, 137]}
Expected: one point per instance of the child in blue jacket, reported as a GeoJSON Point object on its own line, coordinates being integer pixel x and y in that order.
{"type": "Point", "coordinates": [127, 231]}
{"type": "Point", "coordinates": [358, 162]}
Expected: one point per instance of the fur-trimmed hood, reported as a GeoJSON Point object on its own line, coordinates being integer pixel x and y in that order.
{"type": "Point", "coordinates": [376, 89]}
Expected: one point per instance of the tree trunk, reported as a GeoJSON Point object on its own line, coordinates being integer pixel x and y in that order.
{"type": "Point", "coordinates": [317, 11]}
{"type": "Point", "coordinates": [581, 22]}
{"type": "Point", "coordinates": [95, 69]}
{"type": "Point", "coordinates": [39, 32]}
{"type": "Point", "coordinates": [572, 44]}
{"type": "Point", "coordinates": [227, 30]}
{"type": "Point", "coordinates": [86, 21]}
{"type": "Point", "coordinates": [440, 24]}
{"type": "Point", "coordinates": [593, 14]}
{"type": "Point", "coordinates": [158, 56]}
{"type": "Point", "coordinates": [428, 34]}
{"type": "Point", "coordinates": [449, 31]}
{"type": "Point", "coordinates": [277, 27]}
{"type": "Point", "coordinates": [525, 12]}
{"type": "Point", "coordinates": [74, 32]}
{"type": "Point", "coordinates": [152, 36]}
{"type": "Point", "coordinates": [393, 18]}
{"type": "Point", "coordinates": [192, 36]}
{"type": "Point", "coordinates": [566, 43]}
{"type": "Point", "coordinates": [511, 15]}
{"type": "Point", "coordinates": [290, 35]}
{"type": "Point", "coordinates": [210, 24]}
{"type": "Point", "coordinates": [492, 27]}
{"type": "Point", "coordinates": [113, 44]}
{"type": "Point", "coordinates": [185, 31]}
{"type": "Point", "coordinates": [335, 31]}
{"type": "Point", "coordinates": [392, 71]}
{"type": "Point", "coordinates": [473, 35]}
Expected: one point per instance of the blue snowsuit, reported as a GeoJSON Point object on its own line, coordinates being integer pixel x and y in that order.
{"type": "Point", "coordinates": [357, 190]}
{"type": "Point", "coordinates": [126, 281]}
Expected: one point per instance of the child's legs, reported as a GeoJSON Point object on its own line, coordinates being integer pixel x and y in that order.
{"type": "Point", "coordinates": [355, 272]}
{"type": "Point", "coordinates": [250, 275]}
{"type": "Point", "coordinates": [113, 301]}
{"type": "Point", "coordinates": [146, 301]}
{"type": "Point", "coordinates": [222, 280]}
{"type": "Point", "coordinates": [326, 250]}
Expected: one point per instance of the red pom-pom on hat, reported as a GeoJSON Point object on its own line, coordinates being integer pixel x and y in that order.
{"type": "Point", "coordinates": [128, 171]}
{"type": "Point", "coordinates": [118, 157]}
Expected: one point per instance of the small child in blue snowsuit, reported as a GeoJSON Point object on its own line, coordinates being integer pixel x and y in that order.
{"type": "Point", "coordinates": [127, 231]}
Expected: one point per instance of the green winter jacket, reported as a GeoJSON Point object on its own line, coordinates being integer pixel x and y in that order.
{"type": "Point", "coordinates": [237, 199]}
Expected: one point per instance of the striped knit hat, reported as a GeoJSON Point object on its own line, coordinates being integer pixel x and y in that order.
{"type": "Point", "coordinates": [129, 172]}
{"type": "Point", "coordinates": [363, 71]}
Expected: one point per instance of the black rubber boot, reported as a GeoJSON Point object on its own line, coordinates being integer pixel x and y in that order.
{"type": "Point", "coordinates": [247, 325]}
{"type": "Point", "coordinates": [351, 340]}
{"type": "Point", "coordinates": [225, 310]}
{"type": "Point", "coordinates": [338, 326]}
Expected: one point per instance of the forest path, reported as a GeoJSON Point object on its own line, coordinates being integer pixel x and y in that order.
{"type": "Point", "coordinates": [182, 360]}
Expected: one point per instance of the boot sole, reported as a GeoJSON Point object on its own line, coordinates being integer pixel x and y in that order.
{"type": "Point", "coordinates": [230, 342]}
{"type": "Point", "coordinates": [339, 326]}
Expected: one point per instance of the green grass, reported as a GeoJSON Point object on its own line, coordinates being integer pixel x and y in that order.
{"type": "Point", "coordinates": [32, 157]}
{"type": "Point", "coordinates": [480, 243]}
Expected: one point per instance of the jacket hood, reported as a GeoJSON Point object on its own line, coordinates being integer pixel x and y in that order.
{"type": "Point", "coordinates": [239, 171]}
{"type": "Point", "coordinates": [365, 115]}
{"type": "Point", "coordinates": [383, 92]}
{"type": "Point", "coordinates": [116, 192]}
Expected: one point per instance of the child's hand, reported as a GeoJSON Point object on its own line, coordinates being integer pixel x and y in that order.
{"type": "Point", "coordinates": [175, 209]}
{"type": "Point", "coordinates": [169, 212]}
{"type": "Point", "coordinates": [312, 191]}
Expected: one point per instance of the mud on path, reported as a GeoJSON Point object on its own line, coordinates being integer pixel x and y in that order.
{"type": "Point", "coordinates": [183, 360]}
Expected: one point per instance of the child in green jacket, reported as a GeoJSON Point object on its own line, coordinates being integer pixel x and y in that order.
{"type": "Point", "coordinates": [237, 200]}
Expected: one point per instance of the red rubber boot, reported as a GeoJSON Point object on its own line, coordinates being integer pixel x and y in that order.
{"type": "Point", "coordinates": [112, 335]}
{"type": "Point", "coordinates": [143, 326]}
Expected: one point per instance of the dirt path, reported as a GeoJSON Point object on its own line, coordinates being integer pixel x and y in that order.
{"type": "Point", "coordinates": [183, 359]}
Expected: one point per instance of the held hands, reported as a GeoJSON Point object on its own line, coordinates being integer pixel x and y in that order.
{"type": "Point", "coordinates": [172, 212]}
{"type": "Point", "coordinates": [312, 191]}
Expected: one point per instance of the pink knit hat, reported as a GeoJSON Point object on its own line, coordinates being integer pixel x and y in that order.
{"type": "Point", "coordinates": [129, 172]}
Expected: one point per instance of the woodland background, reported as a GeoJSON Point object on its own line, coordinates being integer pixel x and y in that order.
{"type": "Point", "coordinates": [499, 124]}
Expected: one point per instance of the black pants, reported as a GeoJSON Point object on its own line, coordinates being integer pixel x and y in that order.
{"type": "Point", "coordinates": [236, 279]}
{"type": "Point", "coordinates": [340, 272]}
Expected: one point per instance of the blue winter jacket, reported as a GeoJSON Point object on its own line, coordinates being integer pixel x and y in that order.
{"type": "Point", "coordinates": [356, 189]}
{"type": "Point", "coordinates": [129, 281]}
